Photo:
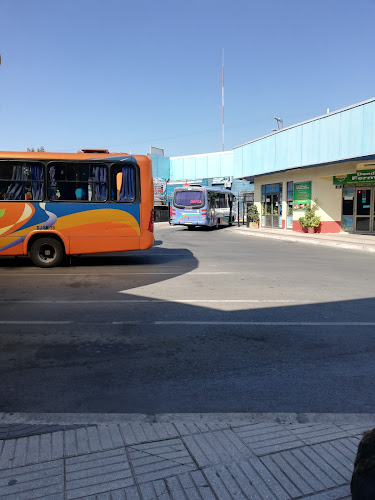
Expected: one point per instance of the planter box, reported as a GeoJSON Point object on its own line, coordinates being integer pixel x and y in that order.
{"type": "Point", "coordinates": [254, 225]}
{"type": "Point", "coordinates": [311, 230]}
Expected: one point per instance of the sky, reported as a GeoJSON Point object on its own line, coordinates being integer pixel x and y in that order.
{"type": "Point", "coordinates": [127, 75]}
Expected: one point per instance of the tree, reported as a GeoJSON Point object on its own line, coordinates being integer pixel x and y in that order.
{"type": "Point", "coordinates": [39, 150]}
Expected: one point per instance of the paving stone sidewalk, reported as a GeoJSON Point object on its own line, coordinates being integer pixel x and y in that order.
{"type": "Point", "coordinates": [181, 457]}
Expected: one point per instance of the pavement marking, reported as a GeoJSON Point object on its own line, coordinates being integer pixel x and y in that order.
{"type": "Point", "coordinates": [203, 323]}
{"type": "Point", "coordinates": [47, 274]}
{"type": "Point", "coordinates": [269, 323]}
{"type": "Point", "coordinates": [36, 322]}
{"type": "Point", "coordinates": [156, 301]}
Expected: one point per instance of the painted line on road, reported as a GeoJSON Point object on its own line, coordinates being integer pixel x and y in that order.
{"type": "Point", "coordinates": [157, 301]}
{"type": "Point", "coordinates": [197, 323]}
{"type": "Point", "coordinates": [47, 274]}
{"type": "Point", "coordinates": [36, 322]}
{"type": "Point", "coordinates": [269, 323]}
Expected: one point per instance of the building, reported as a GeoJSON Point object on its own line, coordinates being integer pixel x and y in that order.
{"type": "Point", "coordinates": [330, 158]}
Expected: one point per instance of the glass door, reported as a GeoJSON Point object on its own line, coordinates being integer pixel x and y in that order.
{"type": "Point", "coordinates": [364, 210]}
{"type": "Point", "coordinates": [268, 214]}
{"type": "Point", "coordinates": [275, 210]}
{"type": "Point", "coordinates": [271, 205]}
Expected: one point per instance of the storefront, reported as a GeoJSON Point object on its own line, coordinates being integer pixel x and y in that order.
{"type": "Point", "coordinates": [344, 193]}
{"type": "Point", "coordinates": [298, 197]}
{"type": "Point", "coordinates": [358, 200]}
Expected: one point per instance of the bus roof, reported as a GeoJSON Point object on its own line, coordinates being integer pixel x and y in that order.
{"type": "Point", "coordinates": [84, 154]}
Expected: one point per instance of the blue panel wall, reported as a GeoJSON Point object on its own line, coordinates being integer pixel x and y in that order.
{"type": "Point", "coordinates": [201, 166]}
{"type": "Point", "coordinates": [310, 143]}
{"type": "Point", "coordinates": [368, 128]}
{"type": "Point", "coordinates": [349, 133]}
{"type": "Point", "coordinates": [177, 169]}
{"type": "Point", "coordinates": [160, 166]}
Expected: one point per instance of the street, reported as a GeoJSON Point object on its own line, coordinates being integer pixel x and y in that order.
{"type": "Point", "coordinates": [205, 321]}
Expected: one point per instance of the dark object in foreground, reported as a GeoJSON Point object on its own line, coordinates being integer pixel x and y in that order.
{"type": "Point", "coordinates": [362, 485]}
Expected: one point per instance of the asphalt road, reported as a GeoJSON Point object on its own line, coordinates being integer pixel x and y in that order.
{"type": "Point", "coordinates": [206, 321]}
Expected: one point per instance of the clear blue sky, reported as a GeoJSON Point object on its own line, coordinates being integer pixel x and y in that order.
{"type": "Point", "coordinates": [129, 74]}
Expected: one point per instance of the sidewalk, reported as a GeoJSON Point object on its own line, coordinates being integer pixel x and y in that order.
{"type": "Point", "coordinates": [362, 242]}
{"type": "Point", "coordinates": [186, 456]}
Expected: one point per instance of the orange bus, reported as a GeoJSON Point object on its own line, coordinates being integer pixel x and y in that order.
{"type": "Point", "coordinates": [56, 204]}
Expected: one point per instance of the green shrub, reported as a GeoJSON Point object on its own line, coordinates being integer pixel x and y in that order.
{"type": "Point", "coordinates": [310, 219]}
{"type": "Point", "coordinates": [252, 214]}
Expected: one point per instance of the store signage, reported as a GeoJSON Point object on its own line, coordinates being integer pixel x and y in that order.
{"type": "Point", "coordinates": [301, 195]}
{"type": "Point", "coordinates": [360, 177]}
{"type": "Point", "coordinates": [222, 180]}
{"type": "Point", "coordinates": [160, 190]}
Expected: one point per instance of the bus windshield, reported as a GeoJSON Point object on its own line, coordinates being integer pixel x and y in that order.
{"type": "Point", "coordinates": [189, 199]}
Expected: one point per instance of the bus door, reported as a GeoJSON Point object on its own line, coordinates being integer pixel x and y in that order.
{"type": "Point", "coordinates": [211, 207]}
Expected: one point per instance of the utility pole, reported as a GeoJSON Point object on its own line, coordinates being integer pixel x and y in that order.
{"type": "Point", "coordinates": [222, 93]}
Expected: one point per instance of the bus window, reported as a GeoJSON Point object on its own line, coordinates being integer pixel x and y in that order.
{"type": "Point", "coordinates": [77, 181]}
{"type": "Point", "coordinates": [189, 199]}
{"type": "Point", "coordinates": [123, 183]}
{"type": "Point", "coordinates": [21, 181]}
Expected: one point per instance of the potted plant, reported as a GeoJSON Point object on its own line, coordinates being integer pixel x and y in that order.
{"type": "Point", "coordinates": [253, 217]}
{"type": "Point", "coordinates": [310, 221]}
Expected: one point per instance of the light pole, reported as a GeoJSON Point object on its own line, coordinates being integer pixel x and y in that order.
{"type": "Point", "coordinates": [279, 123]}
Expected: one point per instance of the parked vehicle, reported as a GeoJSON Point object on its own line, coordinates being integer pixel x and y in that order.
{"type": "Point", "coordinates": [202, 206]}
{"type": "Point", "coordinates": [56, 204]}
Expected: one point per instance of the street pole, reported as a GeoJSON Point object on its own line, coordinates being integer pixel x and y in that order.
{"type": "Point", "coordinates": [222, 95]}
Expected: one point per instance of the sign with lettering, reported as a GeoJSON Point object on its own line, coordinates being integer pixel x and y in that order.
{"type": "Point", "coordinates": [359, 177]}
{"type": "Point", "coordinates": [160, 190]}
{"type": "Point", "coordinates": [301, 195]}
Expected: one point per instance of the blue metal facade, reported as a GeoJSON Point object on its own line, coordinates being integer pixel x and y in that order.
{"type": "Point", "coordinates": [161, 166]}
{"type": "Point", "coordinates": [340, 135]}
{"type": "Point", "coordinates": [202, 166]}
{"type": "Point", "coordinates": [348, 133]}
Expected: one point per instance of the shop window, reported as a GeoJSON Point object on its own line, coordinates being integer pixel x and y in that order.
{"type": "Point", "coordinates": [289, 198]}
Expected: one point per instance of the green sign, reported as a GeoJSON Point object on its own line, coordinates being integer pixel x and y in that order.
{"type": "Point", "coordinates": [301, 195]}
{"type": "Point", "coordinates": [360, 177]}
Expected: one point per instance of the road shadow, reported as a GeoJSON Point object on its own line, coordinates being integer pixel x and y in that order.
{"type": "Point", "coordinates": [178, 357]}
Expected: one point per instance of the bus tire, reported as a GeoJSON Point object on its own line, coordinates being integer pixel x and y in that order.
{"type": "Point", "coordinates": [46, 252]}
{"type": "Point", "coordinates": [191, 228]}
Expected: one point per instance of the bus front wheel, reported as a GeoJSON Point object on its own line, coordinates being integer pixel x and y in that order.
{"type": "Point", "coordinates": [46, 252]}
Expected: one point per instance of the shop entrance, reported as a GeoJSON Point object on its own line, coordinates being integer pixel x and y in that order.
{"type": "Point", "coordinates": [271, 205]}
{"type": "Point", "coordinates": [364, 217]}
{"type": "Point", "coordinates": [272, 210]}
{"type": "Point", "coordinates": [358, 207]}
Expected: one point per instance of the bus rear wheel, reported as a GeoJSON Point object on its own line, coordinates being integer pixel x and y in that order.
{"type": "Point", "coordinates": [46, 252]}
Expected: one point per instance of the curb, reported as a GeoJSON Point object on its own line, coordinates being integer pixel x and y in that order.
{"type": "Point", "coordinates": [344, 245]}
{"type": "Point", "coordinates": [114, 418]}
